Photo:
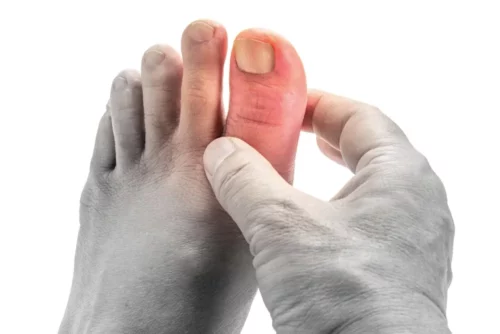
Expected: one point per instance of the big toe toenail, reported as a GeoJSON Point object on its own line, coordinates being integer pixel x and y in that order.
{"type": "Point", "coordinates": [153, 58]}
{"type": "Point", "coordinates": [200, 31]}
{"type": "Point", "coordinates": [254, 56]}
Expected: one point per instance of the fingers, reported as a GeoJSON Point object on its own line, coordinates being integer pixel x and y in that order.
{"type": "Point", "coordinates": [330, 151]}
{"type": "Point", "coordinates": [242, 180]}
{"type": "Point", "coordinates": [359, 131]}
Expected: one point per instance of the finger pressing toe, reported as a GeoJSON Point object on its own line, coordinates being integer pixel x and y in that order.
{"type": "Point", "coordinates": [162, 78]}
{"type": "Point", "coordinates": [127, 117]}
{"type": "Point", "coordinates": [204, 45]}
{"type": "Point", "coordinates": [268, 97]}
{"type": "Point", "coordinates": [103, 158]}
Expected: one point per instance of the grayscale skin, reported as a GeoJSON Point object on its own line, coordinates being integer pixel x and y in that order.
{"type": "Point", "coordinates": [374, 259]}
{"type": "Point", "coordinates": [156, 253]}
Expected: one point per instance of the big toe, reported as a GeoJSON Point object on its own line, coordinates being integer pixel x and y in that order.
{"type": "Point", "coordinates": [268, 97]}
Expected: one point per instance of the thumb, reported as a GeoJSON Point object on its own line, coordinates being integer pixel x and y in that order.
{"type": "Point", "coordinates": [243, 181]}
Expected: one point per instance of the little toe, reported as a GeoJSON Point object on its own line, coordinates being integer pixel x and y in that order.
{"type": "Point", "coordinates": [127, 117]}
{"type": "Point", "coordinates": [162, 79]}
{"type": "Point", "coordinates": [268, 97]}
{"type": "Point", "coordinates": [204, 46]}
{"type": "Point", "coordinates": [104, 158]}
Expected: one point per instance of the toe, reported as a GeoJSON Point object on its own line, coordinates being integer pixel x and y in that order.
{"type": "Point", "coordinates": [161, 79]}
{"type": "Point", "coordinates": [103, 158]}
{"type": "Point", "coordinates": [204, 45]}
{"type": "Point", "coordinates": [127, 117]}
{"type": "Point", "coordinates": [268, 97]}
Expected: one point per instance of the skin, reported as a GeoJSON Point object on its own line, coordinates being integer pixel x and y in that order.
{"type": "Point", "coordinates": [156, 253]}
{"type": "Point", "coordinates": [374, 259]}
{"type": "Point", "coordinates": [267, 110]}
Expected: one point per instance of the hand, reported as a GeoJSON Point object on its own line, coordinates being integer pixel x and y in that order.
{"type": "Point", "coordinates": [374, 259]}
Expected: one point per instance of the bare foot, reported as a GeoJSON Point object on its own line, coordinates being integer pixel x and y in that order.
{"type": "Point", "coordinates": [155, 252]}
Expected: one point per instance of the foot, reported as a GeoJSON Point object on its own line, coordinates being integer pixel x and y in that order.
{"type": "Point", "coordinates": [156, 253]}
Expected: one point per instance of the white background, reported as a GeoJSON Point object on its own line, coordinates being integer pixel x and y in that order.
{"type": "Point", "coordinates": [433, 66]}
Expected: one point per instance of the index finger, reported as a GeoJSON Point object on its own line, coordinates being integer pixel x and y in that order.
{"type": "Point", "coordinates": [357, 129]}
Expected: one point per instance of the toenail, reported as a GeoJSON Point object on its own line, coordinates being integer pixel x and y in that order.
{"type": "Point", "coordinates": [120, 83]}
{"type": "Point", "coordinates": [254, 56]}
{"type": "Point", "coordinates": [154, 58]}
{"type": "Point", "coordinates": [200, 31]}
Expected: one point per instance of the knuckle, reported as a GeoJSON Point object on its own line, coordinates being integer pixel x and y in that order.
{"type": "Point", "coordinates": [279, 224]}
{"type": "Point", "coordinates": [358, 112]}
{"type": "Point", "coordinates": [365, 116]}
{"type": "Point", "coordinates": [420, 176]}
{"type": "Point", "coordinates": [198, 94]}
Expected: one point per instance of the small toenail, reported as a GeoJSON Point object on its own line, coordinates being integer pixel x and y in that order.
{"type": "Point", "coordinates": [120, 83]}
{"type": "Point", "coordinates": [200, 31]}
{"type": "Point", "coordinates": [254, 56]}
{"type": "Point", "coordinates": [154, 58]}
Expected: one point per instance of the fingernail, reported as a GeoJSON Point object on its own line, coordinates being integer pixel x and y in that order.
{"type": "Point", "coordinates": [254, 56]}
{"type": "Point", "coordinates": [200, 31]}
{"type": "Point", "coordinates": [216, 152]}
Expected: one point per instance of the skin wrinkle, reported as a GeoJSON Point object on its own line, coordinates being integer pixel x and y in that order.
{"type": "Point", "coordinates": [393, 240]}
{"type": "Point", "coordinates": [145, 262]}
{"type": "Point", "coordinates": [157, 253]}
